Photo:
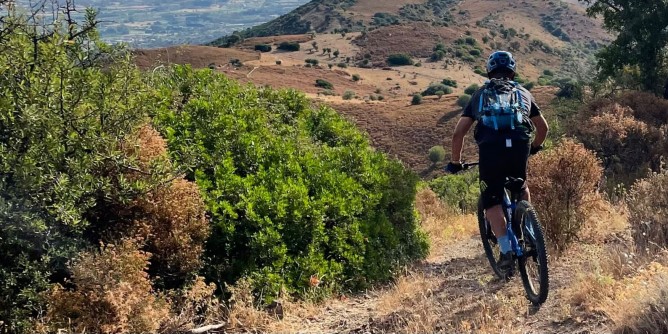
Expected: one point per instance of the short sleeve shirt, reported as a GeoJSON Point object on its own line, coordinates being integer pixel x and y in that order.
{"type": "Point", "coordinates": [484, 134]}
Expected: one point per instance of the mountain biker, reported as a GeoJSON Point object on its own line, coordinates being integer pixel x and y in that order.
{"type": "Point", "coordinates": [506, 115]}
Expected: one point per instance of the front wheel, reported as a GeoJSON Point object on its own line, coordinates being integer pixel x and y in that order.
{"type": "Point", "coordinates": [489, 241]}
{"type": "Point", "coordinates": [533, 265]}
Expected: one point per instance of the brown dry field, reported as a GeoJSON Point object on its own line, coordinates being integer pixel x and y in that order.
{"type": "Point", "coordinates": [195, 55]}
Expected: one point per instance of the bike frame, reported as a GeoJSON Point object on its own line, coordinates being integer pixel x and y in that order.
{"type": "Point", "coordinates": [508, 210]}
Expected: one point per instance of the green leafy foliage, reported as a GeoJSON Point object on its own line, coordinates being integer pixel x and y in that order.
{"type": "Point", "coordinates": [323, 84]}
{"type": "Point", "coordinates": [289, 46]}
{"type": "Point", "coordinates": [434, 88]}
{"type": "Point", "coordinates": [399, 59]}
{"type": "Point", "coordinates": [463, 100]}
{"type": "Point", "coordinates": [471, 89]}
{"type": "Point", "coordinates": [436, 154]}
{"type": "Point", "coordinates": [67, 105]}
{"type": "Point", "coordinates": [263, 47]}
{"type": "Point", "coordinates": [460, 191]}
{"type": "Point", "coordinates": [641, 41]}
{"type": "Point", "coordinates": [417, 99]}
{"type": "Point", "coordinates": [292, 191]}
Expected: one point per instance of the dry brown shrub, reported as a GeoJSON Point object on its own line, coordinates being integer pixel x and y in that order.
{"type": "Point", "coordinates": [648, 207]}
{"type": "Point", "coordinates": [113, 294]}
{"type": "Point", "coordinates": [178, 227]}
{"type": "Point", "coordinates": [146, 145]}
{"type": "Point", "coordinates": [243, 314]}
{"type": "Point", "coordinates": [603, 221]}
{"type": "Point", "coordinates": [561, 181]}
{"type": "Point", "coordinates": [627, 131]}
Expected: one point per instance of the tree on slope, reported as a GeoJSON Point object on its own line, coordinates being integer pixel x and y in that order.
{"type": "Point", "coordinates": [642, 28]}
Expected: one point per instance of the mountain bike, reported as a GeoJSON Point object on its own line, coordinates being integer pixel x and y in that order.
{"type": "Point", "coordinates": [526, 236]}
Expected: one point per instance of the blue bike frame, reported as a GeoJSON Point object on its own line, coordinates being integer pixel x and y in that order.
{"type": "Point", "coordinates": [508, 209]}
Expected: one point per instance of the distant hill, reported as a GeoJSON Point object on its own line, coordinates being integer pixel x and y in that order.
{"type": "Point", "coordinates": [316, 16]}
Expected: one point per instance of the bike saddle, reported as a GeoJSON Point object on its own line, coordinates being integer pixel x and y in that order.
{"type": "Point", "coordinates": [514, 184]}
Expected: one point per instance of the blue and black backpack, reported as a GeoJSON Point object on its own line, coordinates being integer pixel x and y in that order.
{"type": "Point", "coordinates": [501, 106]}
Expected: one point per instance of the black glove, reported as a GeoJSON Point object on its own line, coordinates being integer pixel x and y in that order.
{"type": "Point", "coordinates": [535, 150]}
{"type": "Point", "coordinates": [454, 167]}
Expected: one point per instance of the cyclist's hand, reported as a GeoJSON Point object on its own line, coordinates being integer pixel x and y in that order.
{"type": "Point", "coordinates": [454, 167]}
{"type": "Point", "coordinates": [535, 150]}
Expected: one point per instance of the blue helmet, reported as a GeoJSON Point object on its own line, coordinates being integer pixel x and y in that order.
{"type": "Point", "coordinates": [500, 59]}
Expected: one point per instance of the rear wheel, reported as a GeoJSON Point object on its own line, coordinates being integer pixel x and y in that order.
{"type": "Point", "coordinates": [489, 243]}
{"type": "Point", "coordinates": [533, 265]}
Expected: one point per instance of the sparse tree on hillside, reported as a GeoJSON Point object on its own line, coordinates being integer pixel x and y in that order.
{"type": "Point", "coordinates": [336, 53]}
{"type": "Point", "coordinates": [641, 39]}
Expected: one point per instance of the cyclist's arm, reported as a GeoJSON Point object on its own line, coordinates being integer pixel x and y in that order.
{"type": "Point", "coordinates": [463, 126]}
{"type": "Point", "coordinates": [541, 130]}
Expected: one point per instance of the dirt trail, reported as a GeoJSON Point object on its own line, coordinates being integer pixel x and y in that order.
{"type": "Point", "coordinates": [454, 291]}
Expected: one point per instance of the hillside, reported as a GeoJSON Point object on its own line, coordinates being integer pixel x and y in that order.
{"type": "Point", "coordinates": [552, 41]}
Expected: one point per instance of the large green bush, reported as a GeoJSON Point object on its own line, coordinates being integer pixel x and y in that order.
{"type": "Point", "coordinates": [292, 191]}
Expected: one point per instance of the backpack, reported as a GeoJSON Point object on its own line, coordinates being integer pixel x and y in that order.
{"type": "Point", "coordinates": [501, 106]}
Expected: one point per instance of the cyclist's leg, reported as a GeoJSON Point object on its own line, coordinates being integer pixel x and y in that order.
{"type": "Point", "coordinates": [491, 186]}
{"type": "Point", "coordinates": [517, 165]}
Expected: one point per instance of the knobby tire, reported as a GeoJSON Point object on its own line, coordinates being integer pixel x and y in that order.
{"type": "Point", "coordinates": [489, 242]}
{"type": "Point", "coordinates": [534, 253]}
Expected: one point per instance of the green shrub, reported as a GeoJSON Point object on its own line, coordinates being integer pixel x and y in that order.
{"type": "Point", "coordinates": [323, 84]}
{"type": "Point", "coordinates": [417, 99]}
{"type": "Point", "coordinates": [289, 46]}
{"type": "Point", "coordinates": [460, 191]}
{"type": "Point", "coordinates": [263, 47]}
{"type": "Point", "coordinates": [449, 82]}
{"type": "Point", "coordinates": [437, 55]}
{"type": "Point", "coordinates": [437, 87]}
{"type": "Point", "coordinates": [293, 191]}
{"type": "Point", "coordinates": [342, 65]}
{"type": "Point", "coordinates": [475, 52]}
{"type": "Point", "coordinates": [471, 89]}
{"type": "Point", "coordinates": [529, 85]}
{"type": "Point", "coordinates": [436, 154]}
{"type": "Point", "coordinates": [348, 95]}
{"type": "Point", "coordinates": [356, 77]}
{"type": "Point", "coordinates": [399, 59]}
{"type": "Point", "coordinates": [312, 61]}
{"type": "Point", "coordinates": [463, 100]}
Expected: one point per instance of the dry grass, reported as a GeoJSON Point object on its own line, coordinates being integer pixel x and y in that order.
{"type": "Point", "coordinates": [441, 223]}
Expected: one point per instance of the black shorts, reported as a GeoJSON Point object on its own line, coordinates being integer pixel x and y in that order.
{"type": "Point", "coordinates": [497, 161]}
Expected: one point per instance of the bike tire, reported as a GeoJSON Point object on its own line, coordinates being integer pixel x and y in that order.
{"type": "Point", "coordinates": [489, 243]}
{"type": "Point", "coordinates": [536, 282]}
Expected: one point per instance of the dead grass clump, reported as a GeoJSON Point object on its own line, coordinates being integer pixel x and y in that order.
{"type": "Point", "coordinates": [603, 220]}
{"type": "Point", "coordinates": [410, 306]}
{"type": "Point", "coordinates": [648, 208]}
{"type": "Point", "coordinates": [645, 299]}
{"type": "Point", "coordinates": [562, 179]}
{"type": "Point", "coordinates": [243, 313]}
{"type": "Point", "coordinates": [113, 294]}
{"type": "Point", "coordinates": [194, 306]}
{"type": "Point", "coordinates": [442, 224]}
